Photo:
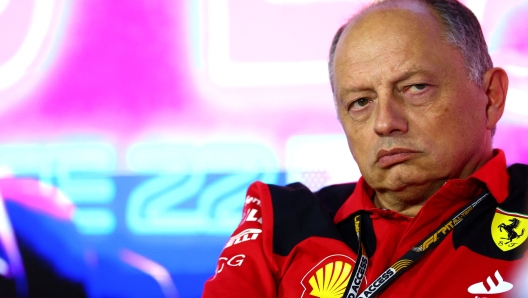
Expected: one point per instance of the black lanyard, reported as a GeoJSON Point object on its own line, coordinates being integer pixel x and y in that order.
{"type": "Point", "coordinates": [406, 261]}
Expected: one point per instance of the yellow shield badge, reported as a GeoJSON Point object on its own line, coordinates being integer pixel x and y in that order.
{"type": "Point", "coordinates": [509, 229]}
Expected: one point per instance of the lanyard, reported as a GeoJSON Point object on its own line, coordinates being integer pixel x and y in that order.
{"type": "Point", "coordinates": [406, 261]}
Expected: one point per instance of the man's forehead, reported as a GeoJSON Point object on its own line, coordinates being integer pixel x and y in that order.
{"type": "Point", "coordinates": [387, 7]}
{"type": "Point", "coordinates": [380, 29]}
{"type": "Point", "coordinates": [393, 41]}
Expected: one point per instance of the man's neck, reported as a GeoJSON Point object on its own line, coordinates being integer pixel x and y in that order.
{"type": "Point", "coordinates": [407, 203]}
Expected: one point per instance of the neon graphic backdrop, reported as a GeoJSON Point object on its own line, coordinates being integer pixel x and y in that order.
{"type": "Point", "coordinates": [153, 117]}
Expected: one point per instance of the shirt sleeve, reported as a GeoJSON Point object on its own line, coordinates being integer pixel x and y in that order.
{"type": "Point", "coordinates": [245, 267]}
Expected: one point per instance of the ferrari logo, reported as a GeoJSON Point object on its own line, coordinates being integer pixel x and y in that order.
{"type": "Point", "coordinates": [508, 229]}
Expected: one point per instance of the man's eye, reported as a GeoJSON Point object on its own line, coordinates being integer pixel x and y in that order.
{"type": "Point", "coordinates": [418, 87]}
{"type": "Point", "coordinates": [359, 103]}
{"type": "Point", "coordinates": [362, 102]}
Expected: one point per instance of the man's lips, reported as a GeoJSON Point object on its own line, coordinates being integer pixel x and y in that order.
{"type": "Point", "coordinates": [387, 158]}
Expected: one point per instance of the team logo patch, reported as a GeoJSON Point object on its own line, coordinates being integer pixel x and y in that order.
{"type": "Point", "coordinates": [509, 229]}
{"type": "Point", "coordinates": [329, 278]}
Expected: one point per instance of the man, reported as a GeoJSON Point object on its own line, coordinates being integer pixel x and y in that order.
{"type": "Point", "coordinates": [436, 212]}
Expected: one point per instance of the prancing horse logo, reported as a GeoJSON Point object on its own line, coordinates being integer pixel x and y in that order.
{"type": "Point", "coordinates": [508, 229]}
{"type": "Point", "coordinates": [512, 234]}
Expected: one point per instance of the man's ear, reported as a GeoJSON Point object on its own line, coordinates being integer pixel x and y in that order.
{"type": "Point", "coordinates": [496, 87]}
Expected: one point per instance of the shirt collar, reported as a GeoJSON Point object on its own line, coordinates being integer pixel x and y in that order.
{"type": "Point", "coordinates": [493, 174]}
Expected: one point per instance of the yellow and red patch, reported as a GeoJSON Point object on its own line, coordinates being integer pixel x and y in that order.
{"type": "Point", "coordinates": [509, 229]}
{"type": "Point", "coordinates": [329, 278]}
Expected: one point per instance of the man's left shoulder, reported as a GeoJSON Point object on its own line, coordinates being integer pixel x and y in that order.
{"type": "Point", "coordinates": [518, 178]}
{"type": "Point", "coordinates": [517, 200]}
{"type": "Point", "coordinates": [499, 230]}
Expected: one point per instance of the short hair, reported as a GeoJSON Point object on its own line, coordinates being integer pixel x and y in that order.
{"type": "Point", "coordinates": [461, 29]}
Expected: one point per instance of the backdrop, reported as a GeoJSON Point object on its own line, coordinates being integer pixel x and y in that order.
{"type": "Point", "coordinates": [153, 117]}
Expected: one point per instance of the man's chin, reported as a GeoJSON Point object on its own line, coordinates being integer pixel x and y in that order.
{"type": "Point", "coordinates": [399, 182]}
{"type": "Point", "coordinates": [407, 188]}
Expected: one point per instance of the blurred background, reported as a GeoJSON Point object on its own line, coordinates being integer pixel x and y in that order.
{"type": "Point", "coordinates": [153, 116]}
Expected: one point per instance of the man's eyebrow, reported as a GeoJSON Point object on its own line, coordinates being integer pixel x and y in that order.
{"type": "Point", "coordinates": [346, 91]}
{"type": "Point", "coordinates": [354, 89]}
{"type": "Point", "coordinates": [412, 72]}
{"type": "Point", "coordinates": [398, 78]}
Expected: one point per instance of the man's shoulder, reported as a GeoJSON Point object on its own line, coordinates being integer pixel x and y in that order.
{"type": "Point", "coordinates": [301, 213]}
{"type": "Point", "coordinates": [334, 196]}
{"type": "Point", "coordinates": [331, 197]}
{"type": "Point", "coordinates": [481, 231]}
{"type": "Point", "coordinates": [518, 172]}
{"type": "Point", "coordinates": [518, 189]}
{"type": "Point", "coordinates": [518, 180]}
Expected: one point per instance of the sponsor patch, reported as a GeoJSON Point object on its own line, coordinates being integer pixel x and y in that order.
{"type": "Point", "coordinates": [496, 286]}
{"type": "Point", "coordinates": [252, 215]}
{"type": "Point", "coordinates": [250, 199]}
{"type": "Point", "coordinates": [235, 261]}
{"type": "Point", "coordinates": [246, 235]}
{"type": "Point", "coordinates": [509, 229]}
{"type": "Point", "coordinates": [329, 278]}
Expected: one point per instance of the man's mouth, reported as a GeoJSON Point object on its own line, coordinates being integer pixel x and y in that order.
{"type": "Point", "coordinates": [388, 158]}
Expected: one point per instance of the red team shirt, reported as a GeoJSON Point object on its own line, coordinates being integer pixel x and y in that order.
{"type": "Point", "coordinates": [294, 243]}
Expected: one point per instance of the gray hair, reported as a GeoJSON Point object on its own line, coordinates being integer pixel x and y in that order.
{"type": "Point", "coordinates": [461, 29]}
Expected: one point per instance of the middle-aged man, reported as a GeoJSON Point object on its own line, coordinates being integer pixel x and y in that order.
{"type": "Point", "coordinates": [436, 212]}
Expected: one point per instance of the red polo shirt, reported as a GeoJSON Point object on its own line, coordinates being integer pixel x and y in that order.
{"type": "Point", "coordinates": [284, 247]}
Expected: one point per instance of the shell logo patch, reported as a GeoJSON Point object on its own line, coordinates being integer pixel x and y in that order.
{"type": "Point", "coordinates": [329, 278]}
{"type": "Point", "coordinates": [509, 229]}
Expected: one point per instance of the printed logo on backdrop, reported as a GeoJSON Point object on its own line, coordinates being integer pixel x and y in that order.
{"type": "Point", "coordinates": [508, 229]}
{"type": "Point", "coordinates": [329, 278]}
{"type": "Point", "coordinates": [27, 27]}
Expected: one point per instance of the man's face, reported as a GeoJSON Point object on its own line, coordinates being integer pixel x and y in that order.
{"type": "Point", "coordinates": [411, 116]}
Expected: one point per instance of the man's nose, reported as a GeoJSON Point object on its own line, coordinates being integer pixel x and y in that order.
{"type": "Point", "coordinates": [390, 118]}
